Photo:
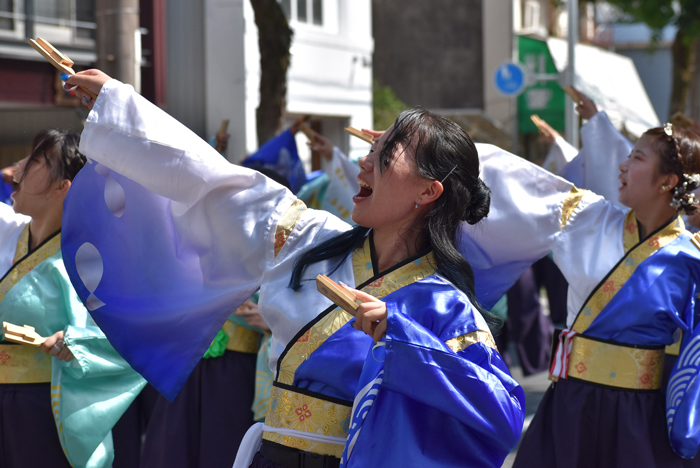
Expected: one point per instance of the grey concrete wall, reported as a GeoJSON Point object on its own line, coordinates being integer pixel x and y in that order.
{"type": "Point", "coordinates": [185, 69]}
{"type": "Point", "coordinates": [655, 68]}
{"type": "Point", "coordinates": [430, 52]}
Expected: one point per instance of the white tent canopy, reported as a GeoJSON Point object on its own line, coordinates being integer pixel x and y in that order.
{"type": "Point", "coordinates": [612, 81]}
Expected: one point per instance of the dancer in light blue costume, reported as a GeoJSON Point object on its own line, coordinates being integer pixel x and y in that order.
{"type": "Point", "coordinates": [446, 398]}
{"type": "Point", "coordinates": [57, 409]}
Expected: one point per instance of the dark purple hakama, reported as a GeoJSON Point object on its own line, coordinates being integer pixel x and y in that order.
{"type": "Point", "coordinates": [28, 434]}
{"type": "Point", "coordinates": [581, 425]}
{"type": "Point", "coordinates": [205, 424]}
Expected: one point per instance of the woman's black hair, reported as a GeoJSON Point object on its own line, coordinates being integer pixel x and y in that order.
{"type": "Point", "coordinates": [443, 152]}
{"type": "Point", "coordinates": [59, 149]}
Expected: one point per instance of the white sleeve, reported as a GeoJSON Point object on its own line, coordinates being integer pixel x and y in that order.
{"type": "Point", "coordinates": [230, 213]}
{"type": "Point", "coordinates": [603, 149]}
{"type": "Point", "coordinates": [11, 225]}
{"type": "Point", "coordinates": [559, 155]}
{"type": "Point", "coordinates": [534, 213]}
{"type": "Point", "coordinates": [342, 174]}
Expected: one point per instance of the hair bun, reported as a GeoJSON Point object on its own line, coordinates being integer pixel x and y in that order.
{"type": "Point", "coordinates": [479, 203]}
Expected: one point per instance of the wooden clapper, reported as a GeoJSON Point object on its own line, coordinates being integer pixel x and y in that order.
{"type": "Point", "coordinates": [24, 335]}
{"type": "Point", "coordinates": [57, 59]}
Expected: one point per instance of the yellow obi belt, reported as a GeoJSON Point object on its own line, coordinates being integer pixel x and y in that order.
{"type": "Point", "coordinates": [616, 365]}
{"type": "Point", "coordinates": [301, 413]}
{"type": "Point", "coordinates": [241, 339]}
{"type": "Point", "coordinates": [22, 364]}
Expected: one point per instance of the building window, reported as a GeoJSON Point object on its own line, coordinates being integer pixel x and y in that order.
{"type": "Point", "coordinates": [287, 8]}
{"type": "Point", "coordinates": [317, 10]}
{"type": "Point", "coordinates": [303, 11]}
{"type": "Point", "coordinates": [65, 22]}
{"type": "Point", "coordinates": [7, 17]}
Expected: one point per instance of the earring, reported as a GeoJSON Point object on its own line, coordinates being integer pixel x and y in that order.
{"type": "Point", "coordinates": [665, 188]}
{"type": "Point", "coordinates": [417, 203]}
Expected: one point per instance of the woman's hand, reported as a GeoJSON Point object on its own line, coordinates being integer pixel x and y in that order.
{"type": "Point", "coordinates": [374, 133]}
{"type": "Point", "coordinates": [547, 133]}
{"type": "Point", "coordinates": [585, 107]}
{"type": "Point", "coordinates": [251, 315]}
{"type": "Point", "coordinates": [371, 315]}
{"type": "Point", "coordinates": [92, 80]}
{"type": "Point", "coordinates": [55, 346]}
{"type": "Point", "coordinates": [322, 146]}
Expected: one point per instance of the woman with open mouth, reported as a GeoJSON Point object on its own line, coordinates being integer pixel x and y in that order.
{"type": "Point", "coordinates": [634, 277]}
{"type": "Point", "coordinates": [414, 378]}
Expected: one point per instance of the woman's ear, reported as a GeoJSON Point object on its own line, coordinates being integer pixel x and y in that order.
{"type": "Point", "coordinates": [63, 187]}
{"type": "Point", "coordinates": [432, 192]}
{"type": "Point", "coordinates": [670, 180]}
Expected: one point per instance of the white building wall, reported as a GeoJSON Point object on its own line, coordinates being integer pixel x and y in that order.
{"type": "Point", "coordinates": [214, 71]}
{"type": "Point", "coordinates": [224, 83]}
{"type": "Point", "coordinates": [330, 74]}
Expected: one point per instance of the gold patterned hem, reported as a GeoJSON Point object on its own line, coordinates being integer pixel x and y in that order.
{"type": "Point", "coordinates": [24, 364]}
{"type": "Point", "coordinates": [241, 339]}
{"type": "Point", "coordinates": [300, 412]}
{"type": "Point", "coordinates": [616, 365]}
{"type": "Point", "coordinates": [624, 270]}
{"type": "Point", "coordinates": [461, 343]}
{"type": "Point", "coordinates": [570, 203]}
{"type": "Point", "coordinates": [286, 224]}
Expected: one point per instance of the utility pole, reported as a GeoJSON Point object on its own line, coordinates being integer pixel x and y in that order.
{"type": "Point", "coordinates": [570, 111]}
{"type": "Point", "coordinates": [119, 40]}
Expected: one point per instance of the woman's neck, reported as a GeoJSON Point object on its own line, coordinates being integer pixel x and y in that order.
{"type": "Point", "coordinates": [42, 227]}
{"type": "Point", "coordinates": [392, 247]}
{"type": "Point", "coordinates": [653, 218]}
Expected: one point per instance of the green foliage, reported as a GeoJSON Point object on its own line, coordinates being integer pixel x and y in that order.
{"type": "Point", "coordinates": [387, 106]}
{"type": "Point", "coordinates": [658, 14]}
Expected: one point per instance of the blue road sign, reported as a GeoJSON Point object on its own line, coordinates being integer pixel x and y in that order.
{"type": "Point", "coordinates": [510, 79]}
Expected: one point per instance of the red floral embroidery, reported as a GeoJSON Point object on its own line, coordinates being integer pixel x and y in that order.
{"type": "Point", "coordinates": [4, 357]}
{"type": "Point", "coordinates": [645, 379]}
{"type": "Point", "coordinates": [305, 337]}
{"type": "Point", "coordinates": [631, 227]}
{"type": "Point", "coordinates": [303, 413]}
{"type": "Point", "coordinates": [654, 241]}
{"type": "Point", "coordinates": [580, 367]}
{"type": "Point", "coordinates": [280, 239]}
{"type": "Point", "coordinates": [377, 284]}
{"type": "Point", "coordinates": [609, 286]}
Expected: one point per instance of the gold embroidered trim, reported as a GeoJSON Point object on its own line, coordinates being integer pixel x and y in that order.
{"type": "Point", "coordinates": [241, 339]}
{"type": "Point", "coordinates": [28, 263]}
{"type": "Point", "coordinates": [616, 365]}
{"type": "Point", "coordinates": [630, 233]}
{"type": "Point", "coordinates": [607, 290]}
{"type": "Point", "coordinates": [461, 343]}
{"type": "Point", "coordinates": [332, 322]}
{"type": "Point", "coordinates": [24, 364]}
{"type": "Point", "coordinates": [22, 245]}
{"type": "Point", "coordinates": [309, 342]}
{"type": "Point", "coordinates": [286, 224]}
{"type": "Point", "coordinates": [292, 410]}
{"type": "Point", "coordinates": [570, 203]}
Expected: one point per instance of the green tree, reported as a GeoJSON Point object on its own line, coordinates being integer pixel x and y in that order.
{"type": "Point", "coordinates": [274, 40]}
{"type": "Point", "coordinates": [386, 106]}
{"type": "Point", "coordinates": [684, 14]}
